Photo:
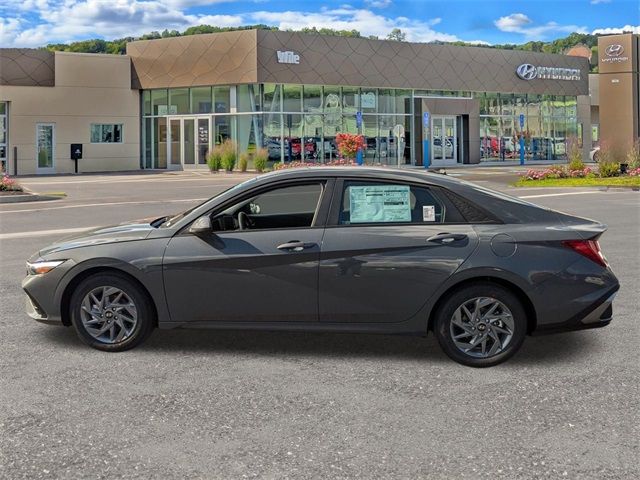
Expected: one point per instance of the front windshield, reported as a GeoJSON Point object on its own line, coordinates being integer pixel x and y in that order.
{"type": "Point", "coordinates": [170, 221]}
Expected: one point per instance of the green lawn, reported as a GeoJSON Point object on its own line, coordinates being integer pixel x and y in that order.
{"type": "Point", "coordinates": [581, 182]}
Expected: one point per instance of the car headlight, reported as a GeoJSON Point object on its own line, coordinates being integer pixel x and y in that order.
{"type": "Point", "coordinates": [42, 266]}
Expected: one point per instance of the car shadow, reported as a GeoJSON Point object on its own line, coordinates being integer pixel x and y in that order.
{"type": "Point", "coordinates": [547, 349]}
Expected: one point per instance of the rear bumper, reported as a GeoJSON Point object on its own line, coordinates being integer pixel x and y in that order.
{"type": "Point", "coordinates": [597, 315]}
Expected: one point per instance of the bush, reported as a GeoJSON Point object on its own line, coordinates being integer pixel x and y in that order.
{"type": "Point", "coordinates": [228, 159]}
{"type": "Point", "coordinates": [214, 159]}
{"type": "Point", "coordinates": [608, 168]}
{"type": "Point", "coordinates": [260, 159]}
{"type": "Point", "coordinates": [633, 155]}
{"type": "Point", "coordinates": [243, 162]}
{"type": "Point", "coordinates": [574, 154]}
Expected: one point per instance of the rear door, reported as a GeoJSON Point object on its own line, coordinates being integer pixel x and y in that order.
{"type": "Point", "coordinates": [387, 247]}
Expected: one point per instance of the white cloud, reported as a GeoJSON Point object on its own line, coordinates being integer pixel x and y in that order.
{"type": "Point", "coordinates": [53, 21]}
{"type": "Point", "coordinates": [615, 30]}
{"type": "Point", "coordinates": [513, 23]}
{"type": "Point", "coordinates": [521, 23]}
{"type": "Point", "coordinates": [69, 20]}
{"type": "Point", "coordinates": [348, 18]}
{"type": "Point", "coordinates": [378, 3]}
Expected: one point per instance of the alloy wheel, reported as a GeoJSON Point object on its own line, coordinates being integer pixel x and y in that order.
{"type": "Point", "coordinates": [482, 327]}
{"type": "Point", "coordinates": [108, 314]}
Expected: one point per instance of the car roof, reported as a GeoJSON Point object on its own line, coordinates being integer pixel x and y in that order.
{"type": "Point", "coordinates": [412, 174]}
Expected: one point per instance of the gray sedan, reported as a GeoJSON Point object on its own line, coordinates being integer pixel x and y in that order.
{"type": "Point", "coordinates": [335, 249]}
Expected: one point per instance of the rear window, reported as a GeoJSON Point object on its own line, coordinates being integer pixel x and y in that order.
{"type": "Point", "coordinates": [389, 202]}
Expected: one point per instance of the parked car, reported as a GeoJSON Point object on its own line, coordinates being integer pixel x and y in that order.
{"type": "Point", "coordinates": [335, 249]}
{"type": "Point", "coordinates": [594, 154]}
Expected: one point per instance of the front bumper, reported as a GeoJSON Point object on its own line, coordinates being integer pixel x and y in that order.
{"type": "Point", "coordinates": [43, 295]}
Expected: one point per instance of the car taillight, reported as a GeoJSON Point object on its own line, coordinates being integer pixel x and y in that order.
{"type": "Point", "coordinates": [588, 248]}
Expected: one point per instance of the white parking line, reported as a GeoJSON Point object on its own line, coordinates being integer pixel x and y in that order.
{"type": "Point", "coordinates": [105, 204]}
{"type": "Point", "coordinates": [561, 194]}
{"type": "Point", "coordinates": [119, 180]}
{"type": "Point", "coordinates": [43, 233]}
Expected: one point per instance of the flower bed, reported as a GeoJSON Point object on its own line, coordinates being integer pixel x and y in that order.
{"type": "Point", "coordinates": [565, 176]}
{"type": "Point", "coordinates": [333, 163]}
{"type": "Point", "coordinates": [8, 184]}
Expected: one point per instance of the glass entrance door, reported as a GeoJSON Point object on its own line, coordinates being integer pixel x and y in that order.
{"type": "Point", "coordinates": [45, 147]}
{"type": "Point", "coordinates": [444, 139]}
{"type": "Point", "coordinates": [189, 143]}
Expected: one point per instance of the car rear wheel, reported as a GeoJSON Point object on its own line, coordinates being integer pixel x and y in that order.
{"type": "Point", "coordinates": [481, 325]}
{"type": "Point", "coordinates": [111, 313]}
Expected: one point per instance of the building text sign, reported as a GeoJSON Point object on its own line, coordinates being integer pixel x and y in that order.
{"type": "Point", "coordinates": [527, 71]}
{"type": "Point", "coordinates": [288, 57]}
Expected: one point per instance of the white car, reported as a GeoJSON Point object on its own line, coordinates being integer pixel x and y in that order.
{"type": "Point", "coordinates": [594, 154]}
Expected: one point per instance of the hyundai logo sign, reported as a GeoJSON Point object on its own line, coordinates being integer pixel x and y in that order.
{"type": "Point", "coordinates": [614, 50]}
{"type": "Point", "coordinates": [614, 54]}
{"type": "Point", "coordinates": [527, 71]}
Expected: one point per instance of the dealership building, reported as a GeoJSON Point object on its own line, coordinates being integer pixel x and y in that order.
{"type": "Point", "coordinates": [168, 102]}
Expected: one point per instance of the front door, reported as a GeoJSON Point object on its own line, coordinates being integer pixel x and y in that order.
{"type": "Point", "coordinates": [189, 142]}
{"type": "Point", "coordinates": [259, 265]}
{"type": "Point", "coordinates": [45, 147]}
{"type": "Point", "coordinates": [391, 246]}
{"type": "Point", "coordinates": [444, 141]}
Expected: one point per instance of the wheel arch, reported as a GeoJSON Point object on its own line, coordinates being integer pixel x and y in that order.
{"type": "Point", "coordinates": [65, 300]}
{"type": "Point", "coordinates": [527, 304]}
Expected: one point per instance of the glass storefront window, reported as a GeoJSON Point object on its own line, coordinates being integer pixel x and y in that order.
{"type": "Point", "coordinates": [201, 100]}
{"type": "Point", "coordinates": [147, 145]}
{"type": "Point", "coordinates": [313, 135]}
{"type": "Point", "coordinates": [370, 132]}
{"type": "Point", "coordinates": [369, 100]}
{"type": "Point", "coordinates": [271, 97]}
{"type": "Point", "coordinates": [249, 136]}
{"type": "Point", "coordinates": [292, 98]}
{"type": "Point", "coordinates": [160, 142]}
{"type": "Point", "coordinates": [350, 97]}
{"type": "Point", "coordinates": [332, 100]}
{"type": "Point", "coordinates": [293, 136]}
{"type": "Point", "coordinates": [221, 99]}
{"type": "Point", "coordinates": [386, 101]}
{"type": "Point", "coordinates": [312, 98]}
{"type": "Point", "coordinates": [403, 101]}
{"type": "Point", "coordinates": [159, 102]}
{"type": "Point", "coordinates": [146, 102]}
{"type": "Point", "coordinates": [273, 136]}
{"type": "Point", "coordinates": [248, 98]}
{"type": "Point", "coordinates": [178, 100]}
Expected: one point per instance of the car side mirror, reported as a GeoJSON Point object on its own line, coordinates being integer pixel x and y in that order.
{"type": "Point", "coordinates": [201, 225]}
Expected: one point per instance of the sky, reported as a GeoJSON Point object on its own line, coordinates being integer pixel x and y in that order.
{"type": "Point", "coordinates": [34, 23]}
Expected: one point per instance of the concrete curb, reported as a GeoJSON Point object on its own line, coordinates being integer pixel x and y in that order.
{"type": "Point", "coordinates": [28, 197]}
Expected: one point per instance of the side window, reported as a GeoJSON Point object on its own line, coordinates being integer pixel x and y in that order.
{"type": "Point", "coordinates": [387, 202]}
{"type": "Point", "coordinates": [291, 206]}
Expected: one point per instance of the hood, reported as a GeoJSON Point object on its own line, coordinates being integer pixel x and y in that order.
{"type": "Point", "coordinates": [126, 232]}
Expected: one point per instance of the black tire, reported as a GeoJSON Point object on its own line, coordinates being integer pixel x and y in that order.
{"type": "Point", "coordinates": [144, 309]}
{"type": "Point", "coordinates": [596, 157]}
{"type": "Point", "coordinates": [445, 317]}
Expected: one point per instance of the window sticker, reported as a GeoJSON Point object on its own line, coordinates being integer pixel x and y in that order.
{"type": "Point", "coordinates": [379, 203]}
{"type": "Point", "coordinates": [429, 213]}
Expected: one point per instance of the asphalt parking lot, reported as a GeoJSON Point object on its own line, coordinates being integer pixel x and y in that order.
{"type": "Point", "coordinates": [208, 404]}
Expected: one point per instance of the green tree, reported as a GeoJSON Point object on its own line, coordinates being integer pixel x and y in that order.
{"type": "Point", "coordinates": [398, 35]}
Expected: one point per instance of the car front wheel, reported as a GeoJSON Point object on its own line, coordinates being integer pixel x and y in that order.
{"type": "Point", "coordinates": [481, 325]}
{"type": "Point", "coordinates": [110, 312]}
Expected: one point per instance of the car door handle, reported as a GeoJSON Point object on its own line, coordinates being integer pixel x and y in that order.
{"type": "Point", "coordinates": [447, 238]}
{"type": "Point", "coordinates": [295, 246]}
